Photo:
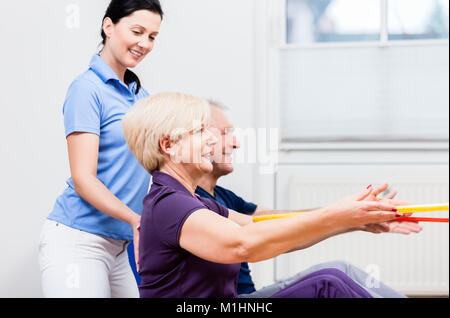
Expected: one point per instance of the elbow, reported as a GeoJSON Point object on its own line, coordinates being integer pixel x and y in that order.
{"type": "Point", "coordinates": [247, 250]}
{"type": "Point", "coordinates": [242, 253]}
{"type": "Point", "coordinates": [76, 184]}
{"type": "Point", "coordinates": [79, 183]}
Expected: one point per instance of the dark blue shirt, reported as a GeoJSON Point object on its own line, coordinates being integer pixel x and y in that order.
{"type": "Point", "coordinates": [230, 200]}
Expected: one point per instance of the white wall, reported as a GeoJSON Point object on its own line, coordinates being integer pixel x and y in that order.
{"type": "Point", "coordinates": [206, 48]}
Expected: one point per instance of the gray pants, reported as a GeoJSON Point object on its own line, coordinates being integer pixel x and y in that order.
{"type": "Point", "coordinates": [376, 289]}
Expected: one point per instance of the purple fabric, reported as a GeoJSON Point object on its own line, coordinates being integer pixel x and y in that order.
{"type": "Point", "coordinates": [325, 283]}
{"type": "Point", "coordinates": [166, 269]}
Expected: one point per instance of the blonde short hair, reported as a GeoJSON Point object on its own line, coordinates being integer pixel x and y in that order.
{"type": "Point", "coordinates": [162, 115]}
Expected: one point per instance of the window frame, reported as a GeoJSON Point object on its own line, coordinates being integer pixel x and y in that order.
{"type": "Point", "coordinates": [382, 42]}
{"type": "Point", "coordinates": [275, 42]}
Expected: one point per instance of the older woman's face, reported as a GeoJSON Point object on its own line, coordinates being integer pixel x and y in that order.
{"type": "Point", "coordinates": [194, 150]}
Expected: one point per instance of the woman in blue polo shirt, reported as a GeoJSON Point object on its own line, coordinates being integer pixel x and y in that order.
{"type": "Point", "coordinates": [82, 250]}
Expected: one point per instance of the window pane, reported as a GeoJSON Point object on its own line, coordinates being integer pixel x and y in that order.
{"type": "Point", "coordinates": [417, 19]}
{"type": "Point", "coordinates": [310, 21]}
{"type": "Point", "coordinates": [365, 94]}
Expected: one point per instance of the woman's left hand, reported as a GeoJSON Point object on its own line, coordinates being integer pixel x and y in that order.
{"type": "Point", "coordinates": [389, 198]}
{"type": "Point", "coordinates": [402, 227]}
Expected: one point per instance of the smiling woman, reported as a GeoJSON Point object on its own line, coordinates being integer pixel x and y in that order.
{"type": "Point", "coordinates": [192, 246]}
{"type": "Point", "coordinates": [128, 34]}
{"type": "Point", "coordinates": [144, 126]}
{"type": "Point", "coordinates": [83, 245]}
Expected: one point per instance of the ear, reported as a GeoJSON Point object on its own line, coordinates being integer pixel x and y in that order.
{"type": "Point", "coordinates": [108, 26]}
{"type": "Point", "coordinates": [166, 146]}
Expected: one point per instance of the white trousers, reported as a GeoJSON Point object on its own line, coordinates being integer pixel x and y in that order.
{"type": "Point", "coordinates": [77, 264]}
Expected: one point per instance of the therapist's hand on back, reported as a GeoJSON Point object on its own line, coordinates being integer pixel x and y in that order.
{"type": "Point", "coordinates": [136, 225]}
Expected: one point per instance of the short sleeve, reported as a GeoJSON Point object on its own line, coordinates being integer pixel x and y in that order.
{"type": "Point", "coordinates": [169, 214]}
{"type": "Point", "coordinates": [245, 207]}
{"type": "Point", "coordinates": [82, 108]}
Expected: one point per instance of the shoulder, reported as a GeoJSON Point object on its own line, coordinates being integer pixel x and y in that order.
{"type": "Point", "coordinates": [214, 206]}
{"type": "Point", "coordinates": [83, 95]}
{"type": "Point", "coordinates": [86, 84]}
{"type": "Point", "coordinates": [234, 201]}
{"type": "Point", "coordinates": [84, 92]}
{"type": "Point", "coordinates": [202, 192]}
{"type": "Point", "coordinates": [226, 193]}
{"type": "Point", "coordinates": [164, 198]}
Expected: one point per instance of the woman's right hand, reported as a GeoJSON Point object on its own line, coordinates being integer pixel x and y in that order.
{"type": "Point", "coordinates": [136, 226]}
{"type": "Point", "coordinates": [353, 211]}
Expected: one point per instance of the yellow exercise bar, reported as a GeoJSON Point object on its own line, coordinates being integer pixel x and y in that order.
{"type": "Point", "coordinates": [401, 209]}
{"type": "Point", "coordinates": [422, 208]}
{"type": "Point", "coordinates": [276, 216]}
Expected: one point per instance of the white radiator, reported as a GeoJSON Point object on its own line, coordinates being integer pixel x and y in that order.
{"type": "Point", "coordinates": [415, 264]}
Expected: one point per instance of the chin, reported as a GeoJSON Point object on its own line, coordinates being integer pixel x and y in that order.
{"type": "Point", "coordinates": [132, 64]}
{"type": "Point", "coordinates": [206, 168]}
{"type": "Point", "coordinates": [223, 168]}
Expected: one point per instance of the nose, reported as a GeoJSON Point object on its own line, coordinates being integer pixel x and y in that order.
{"type": "Point", "coordinates": [145, 44]}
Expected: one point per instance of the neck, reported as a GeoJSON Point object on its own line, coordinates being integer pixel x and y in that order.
{"type": "Point", "coordinates": [208, 182]}
{"type": "Point", "coordinates": [118, 68]}
{"type": "Point", "coordinates": [189, 182]}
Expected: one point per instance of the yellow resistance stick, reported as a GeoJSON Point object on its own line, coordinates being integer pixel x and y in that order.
{"type": "Point", "coordinates": [423, 208]}
{"type": "Point", "coordinates": [275, 216]}
{"type": "Point", "coordinates": [401, 209]}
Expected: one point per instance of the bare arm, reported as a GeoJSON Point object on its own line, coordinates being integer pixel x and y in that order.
{"type": "Point", "coordinates": [322, 238]}
{"type": "Point", "coordinates": [217, 239]}
{"type": "Point", "coordinates": [243, 219]}
{"type": "Point", "coordinates": [83, 158]}
{"type": "Point", "coordinates": [401, 227]}
{"type": "Point", "coordinates": [260, 210]}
